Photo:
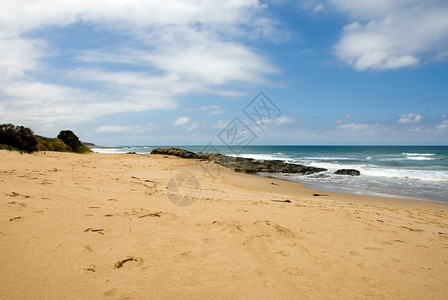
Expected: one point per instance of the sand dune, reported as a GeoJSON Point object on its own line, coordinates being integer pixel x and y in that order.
{"type": "Point", "coordinates": [102, 226]}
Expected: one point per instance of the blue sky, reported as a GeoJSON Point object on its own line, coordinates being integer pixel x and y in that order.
{"type": "Point", "coordinates": [176, 72]}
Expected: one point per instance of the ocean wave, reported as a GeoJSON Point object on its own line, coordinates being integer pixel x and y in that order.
{"type": "Point", "coordinates": [407, 174]}
{"type": "Point", "coordinates": [420, 158]}
{"type": "Point", "coordinates": [108, 150]}
{"type": "Point", "coordinates": [407, 158]}
{"type": "Point", "coordinates": [330, 158]}
{"type": "Point", "coordinates": [418, 154]}
{"type": "Point", "coordinates": [274, 156]}
{"type": "Point", "coordinates": [114, 150]}
{"type": "Point", "coordinates": [439, 176]}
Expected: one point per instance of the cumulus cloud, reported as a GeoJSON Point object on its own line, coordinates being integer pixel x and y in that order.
{"type": "Point", "coordinates": [179, 47]}
{"type": "Point", "coordinates": [410, 118]}
{"type": "Point", "coordinates": [387, 34]}
{"type": "Point", "coordinates": [181, 121]}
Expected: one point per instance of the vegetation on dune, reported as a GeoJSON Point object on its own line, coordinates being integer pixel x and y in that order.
{"type": "Point", "coordinates": [20, 138]}
{"type": "Point", "coordinates": [51, 144]}
{"type": "Point", "coordinates": [71, 140]}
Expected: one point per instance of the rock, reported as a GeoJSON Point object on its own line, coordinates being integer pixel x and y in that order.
{"type": "Point", "coordinates": [240, 164]}
{"type": "Point", "coordinates": [351, 172]}
{"type": "Point", "coordinates": [175, 152]}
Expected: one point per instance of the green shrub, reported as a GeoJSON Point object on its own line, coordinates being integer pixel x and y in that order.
{"type": "Point", "coordinates": [50, 144]}
{"type": "Point", "coordinates": [71, 140]}
{"type": "Point", "coordinates": [18, 137]}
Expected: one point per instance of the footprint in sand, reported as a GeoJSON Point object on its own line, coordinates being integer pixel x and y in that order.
{"type": "Point", "coordinates": [99, 231]}
{"type": "Point", "coordinates": [411, 229]}
{"type": "Point", "coordinates": [110, 293]}
{"type": "Point", "coordinates": [268, 246]}
{"type": "Point", "coordinates": [120, 263]}
{"type": "Point", "coordinates": [273, 229]}
{"type": "Point", "coordinates": [282, 253]}
{"type": "Point", "coordinates": [230, 227]}
{"type": "Point", "coordinates": [22, 204]}
{"type": "Point", "coordinates": [373, 248]}
{"type": "Point", "coordinates": [91, 268]}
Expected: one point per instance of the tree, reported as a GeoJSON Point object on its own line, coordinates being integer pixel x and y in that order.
{"type": "Point", "coordinates": [70, 139]}
{"type": "Point", "coordinates": [19, 137]}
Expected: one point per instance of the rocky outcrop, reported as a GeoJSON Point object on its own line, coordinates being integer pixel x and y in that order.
{"type": "Point", "coordinates": [175, 152]}
{"type": "Point", "coordinates": [240, 164]}
{"type": "Point", "coordinates": [351, 172]}
{"type": "Point", "coordinates": [249, 165]}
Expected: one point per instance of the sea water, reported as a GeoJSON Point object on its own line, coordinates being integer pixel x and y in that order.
{"type": "Point", "coordinates": [410, 172]}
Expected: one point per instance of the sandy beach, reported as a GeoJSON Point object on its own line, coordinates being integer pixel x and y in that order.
{"type": "Point", "coordinates": [92, 226]}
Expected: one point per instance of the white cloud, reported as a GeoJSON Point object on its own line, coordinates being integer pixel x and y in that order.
{"type": "Point", "coordinates": [364, 129]}
{"type": "Point", "coordinates": [221, 124]}
{"type": "Point", "coordinates": [392, 34]}
{"type": "Point", "coordinates": [318, 8]}
{"type": "Point", "coordinates": [217, 112]}
{"type": "Point", "coordinates": [285, 120]}
{"type": "Point", "coordinates": [212, 109]}
{"type": "Point", "coordinates": [47, 106]}
{"type": "Point", "coordinates": [193, 126]}
{"type": "Point", "coordinates": [443, 125]}
{"type": "Point", "coordinates": [122, 129]}
{"type": "Point", "coordinates": [180, 47]}
{"type": "Point", "coordinates": [18, 55]}
{"type": "Point", "coordinates": [181, 121]}
{"type": "Point", "coordinates": [209, 109]}
{"type": "Point", "coordinates": [410, 118]}
{"type": "Point", "coordinates": [113, 129]}
{"type": "Point", "coordinates": [355, 127]}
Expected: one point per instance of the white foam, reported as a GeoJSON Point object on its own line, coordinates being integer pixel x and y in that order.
{"type": "Point", "coordinates": [388, 172]}
{"type": "Point", "coordinates": [418, 154]}
{"type": "Point", "coordinates": [420, 158]}
{"type": "Point", "coordinates": [406, 174]}
{"type": "Point", "coordinates": [111, 150]}
{"type": "Point", "coordinates": [274, 156]}
{"type": "Point", "coordinates": [329, 158]}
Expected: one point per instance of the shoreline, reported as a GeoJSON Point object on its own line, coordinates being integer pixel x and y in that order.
{"type": "Point", "coordinates": [315, 187]}
{"type": "Point", "coordinates": [101, 225]}
{"type": "Point", "coordinates": [323, 188]}
{"type": "Point", "coordinates": [291, 186]}
{"type": "Point", "coordinates": [415, 187]}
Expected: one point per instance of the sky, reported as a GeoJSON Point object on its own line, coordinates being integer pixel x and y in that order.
{"type": "Point", "coordinates": [188, 72]}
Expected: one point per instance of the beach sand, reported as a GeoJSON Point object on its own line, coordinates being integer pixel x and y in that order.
{"type": "Point", "coordinates": [102, 226]}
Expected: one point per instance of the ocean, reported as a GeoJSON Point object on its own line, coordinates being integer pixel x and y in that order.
{"type": "Point", "coordinates": [408, 172]}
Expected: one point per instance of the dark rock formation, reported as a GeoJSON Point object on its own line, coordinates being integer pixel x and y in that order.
{"type": "Point", "coordinates": [351, 172]}
{"type": "Point", "coordinates": [175, 152]}
{"type": "Point", "coordinates": [249, 165]}
{"type": "Point", "coordinates": [240, 164]}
